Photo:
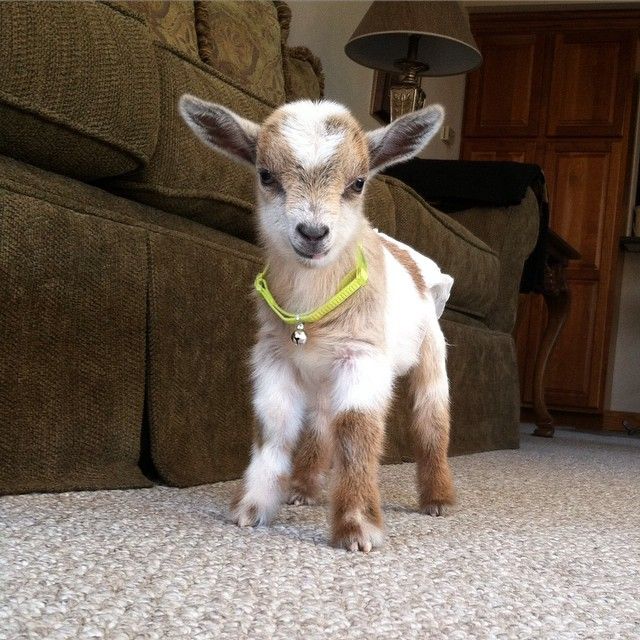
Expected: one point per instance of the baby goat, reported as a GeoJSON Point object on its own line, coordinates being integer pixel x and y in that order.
{"type": "Point", "coordinates": [326, 388]}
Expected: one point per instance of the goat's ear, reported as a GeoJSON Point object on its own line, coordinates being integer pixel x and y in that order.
{"type": "Point", "coordinates": [221, 128]}
{"type": "Point", "coordinates": [403, 138]}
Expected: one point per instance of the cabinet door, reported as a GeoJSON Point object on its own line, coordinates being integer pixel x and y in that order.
{"type": "Point", "coordinates": [503, 95]}
{"type": "Point", "coordinates": [582, 178]}
{"type": "Point", "coordinates": [590, 82]}
{"type": "Point", "coordinates": [584, 181]}
{"type": "Point", "coordinates": [491, 149]}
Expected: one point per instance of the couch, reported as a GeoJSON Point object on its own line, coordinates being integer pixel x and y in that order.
{"type": "Point", "coordinates": [127, 249]}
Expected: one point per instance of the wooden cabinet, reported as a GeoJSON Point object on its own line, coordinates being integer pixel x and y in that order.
{"type": "Point", "coordinates": [589, 82]}
{"type": "Point", "coordinates": [512, 150]}
{"type": "Point", "coordinates": [583, 180]}
{"type": "Point", "coordinates": [506, 88]}
{"type": "Point", "coordinates": [585, 188]}
{"type": "Point", "coordinates": [556, 88]}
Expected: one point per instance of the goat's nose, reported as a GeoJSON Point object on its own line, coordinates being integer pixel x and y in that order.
{"type": "Point", "coordinates": [312, 232]}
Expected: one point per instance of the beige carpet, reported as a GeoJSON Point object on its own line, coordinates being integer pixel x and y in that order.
{"type": "Point", "coordinates": [545, 543]}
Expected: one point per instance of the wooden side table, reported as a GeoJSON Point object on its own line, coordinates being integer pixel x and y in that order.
{"type": "Point", "coordinates": [557, 297]}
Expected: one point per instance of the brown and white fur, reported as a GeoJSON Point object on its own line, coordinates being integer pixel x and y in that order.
{"type": "Point", "coordinates": [328, 399]}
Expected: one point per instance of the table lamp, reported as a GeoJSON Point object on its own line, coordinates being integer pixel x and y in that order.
{"type": "Point", "coordinates": [414, 39]}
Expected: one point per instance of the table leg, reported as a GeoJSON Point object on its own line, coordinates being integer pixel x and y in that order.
{"type": "Point", "coordinates": [558, 300]}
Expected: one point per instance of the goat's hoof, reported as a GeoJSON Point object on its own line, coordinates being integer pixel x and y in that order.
{"type": "Point", "coordinates": [297, 499]}
{"type": "Point", "coordinates": [433, 510]}
{"type": "Point", "coordinates": [247, 515]}
{"type": "Point", "coordinates": [359, 537]}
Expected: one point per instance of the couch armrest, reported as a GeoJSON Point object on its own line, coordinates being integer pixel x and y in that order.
{"type": "Point", "coordinates": [473, 265]}
{"type": "Point", "coordinates": [512, 233]}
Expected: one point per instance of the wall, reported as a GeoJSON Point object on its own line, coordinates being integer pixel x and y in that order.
{"type": "Point", "coordinates": [625, 387]}
{"type": "Point", "coordinates": [325, 26]}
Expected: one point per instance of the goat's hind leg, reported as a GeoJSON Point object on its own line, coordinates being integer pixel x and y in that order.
{"type": "Point", "coordinates": [430, 424]}
{"type": "Point", "coordinates": [312, 457]}
{"type": "Point", "coordinates": [310, 463]}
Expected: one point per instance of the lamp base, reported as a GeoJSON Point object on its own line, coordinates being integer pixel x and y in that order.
{"type": "Point", "coordinates": [405, 98]}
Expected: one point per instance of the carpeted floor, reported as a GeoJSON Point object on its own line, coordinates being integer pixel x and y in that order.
{"type": "Point", "coordinates": [545, 543]}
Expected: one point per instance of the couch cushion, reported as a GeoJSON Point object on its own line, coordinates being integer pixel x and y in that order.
{"type": "Point", "coordinates": [184, 176]}
{"type": "Point", "coordinates": [78, 88]}
{"type": "Point", "coordinates": [199, 400]}
{"type": "Point", "coordinates": [243, 42]}
{"type": "Point", "coordinates": [380, 207]}
{"type": "Point", "coordinates": [474, 266]}
{"type": "Point", "coordinates": [284, 18]}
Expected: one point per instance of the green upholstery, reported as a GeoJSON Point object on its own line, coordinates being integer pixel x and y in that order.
{"type": "Point", "coordinates": [172, 23]}
{"type": "Point", "coordinates": [511, 232]}
{"type": "Point", "coordinates": [121, 298]}
{"type": "Point", "coordinates": [184, 176]}
{"type": "Point", "coordinates": [73, 98]}
{"type": "Point", "coordinates": [452, 246]}
{"type": "Point", "coordinates": [127, 313]}
{"type": "Point", "coordinates": [303, 75]}
{"type": "Point", "coordinates": [243, 42]}
{"type": "Point", "coordinates": [199, 335]}
{"type": "Point", "coordinates": [72, 330]}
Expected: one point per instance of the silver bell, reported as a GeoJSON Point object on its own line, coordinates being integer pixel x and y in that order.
{"type": "Point", "coordinates": [299, 336]}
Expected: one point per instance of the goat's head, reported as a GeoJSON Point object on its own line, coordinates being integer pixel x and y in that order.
{"type": "Point", "coordinates": [312, 163]}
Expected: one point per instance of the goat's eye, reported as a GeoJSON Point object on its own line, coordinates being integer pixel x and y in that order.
{"type": "Point", "coordinates": [357, 185]}
{"type": "Point", "coordinates": [266, 177]}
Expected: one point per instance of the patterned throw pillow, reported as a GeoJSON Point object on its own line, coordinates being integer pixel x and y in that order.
{"type": "Point", "coordinates": [172, 23]}
{"type": "Point", "coordinates": [242, 41]}
{"type": "Point", "coordinates": [303, 76]}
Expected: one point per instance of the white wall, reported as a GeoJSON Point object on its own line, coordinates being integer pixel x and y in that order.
{"type": "Point", "coordinates": [449, 92]}
{"type": "Point", "coordinates": [625, 384]}
{"type": "Point", "coordinates": [325, 26]}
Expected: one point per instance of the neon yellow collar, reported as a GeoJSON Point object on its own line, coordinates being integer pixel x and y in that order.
{"type": "Point", "coordinates": [349, 285]}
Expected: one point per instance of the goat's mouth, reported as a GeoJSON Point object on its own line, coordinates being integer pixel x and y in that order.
{"type": "Point", "coordinates": [310, 254]}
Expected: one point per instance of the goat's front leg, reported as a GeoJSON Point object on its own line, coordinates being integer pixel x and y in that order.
{"type": "Point", "coordinates": [278, 403]}
{"type": "Point", "coordinates": [361, 395]}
